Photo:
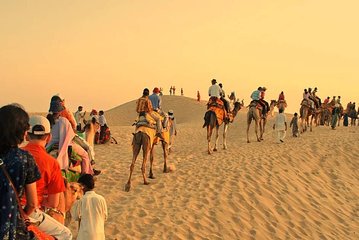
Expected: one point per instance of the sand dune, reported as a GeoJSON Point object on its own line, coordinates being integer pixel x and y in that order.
{"type": "Point", "coordinates": [305, 188]}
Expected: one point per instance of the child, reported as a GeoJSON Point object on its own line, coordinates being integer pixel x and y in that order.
{"type": "Point", "coordinates": [90, 210]}
{"type": "Point", "coordinates": [280, 125]}
{"type": "Point", "coordinates": [294, 125]}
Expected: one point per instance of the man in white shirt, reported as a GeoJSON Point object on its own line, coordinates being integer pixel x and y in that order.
{"type": "Point", "coordinates": [103, 124]}
{"type": "Point", "coordinates": [280, 126]}
{"type": "Point", "coordinates": [79, 117]}
{"type": "Point", "coordinates": [214, 91]}
{"type": "Point", "coordinates": [90, 210]}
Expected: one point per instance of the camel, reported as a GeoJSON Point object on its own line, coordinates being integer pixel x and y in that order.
{"type": "Point", "coordinates": [305, 113]}
{"type": "Point", "coordinates": [212, 122]}
{"type": "Point", "coordinates": [255, 114]}
{"type": "Point", "coordinates": [61, 213]}
{"type": "Point", "coordinates": [353, 115]}
{"type": "Point", "coordinates": [145, 138]}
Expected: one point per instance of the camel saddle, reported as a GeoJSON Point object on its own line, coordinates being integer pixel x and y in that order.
{"type": "Point", "coordinates": [216, 105]}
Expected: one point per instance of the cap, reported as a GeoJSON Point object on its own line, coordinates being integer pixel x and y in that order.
{"type": "Point", "coordinates": [39, 125]}
{"type": "Point", "coordinates": [264, 88]}
{"type": "Point", "coordinates": [156, 90]}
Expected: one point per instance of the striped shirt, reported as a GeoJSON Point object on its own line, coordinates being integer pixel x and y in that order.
{"type": "Point", "coordinates": [143, 105]}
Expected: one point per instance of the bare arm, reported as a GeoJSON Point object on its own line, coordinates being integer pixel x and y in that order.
{"type": "Point", "coordinates": [31, 198]}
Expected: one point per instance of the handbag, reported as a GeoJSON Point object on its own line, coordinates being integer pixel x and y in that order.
{"type": "Point", "coordinates": [34, 231]}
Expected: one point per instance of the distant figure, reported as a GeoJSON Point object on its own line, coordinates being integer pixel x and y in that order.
{"type": "Point", "coordinates": [326, 101]}
{"type": "Point", "coordinates": [90, 211]}
{"type": "Point", "coordinates": [294, 125]}
{"type": "Point", "coordinates": [181, 91]}
{"type": "Point", "coordinates": [174, 90]}
{"type": "Point", "coordinates": [171, 90]}
{"type": "Point", "coordinates": [103, 125]}
{"type": "Point", "coordinates": [173, 129]}
{"type": "Point", "coordinates": [79, 117]}
{"type": "Point", "coordinates": [280, 126]}
{"type": "Point", "coordinates": [198, 96]}
{"type": "Point", "coordinates": [161, 91]}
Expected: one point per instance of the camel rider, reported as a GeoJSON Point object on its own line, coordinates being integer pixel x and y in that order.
{"type": "Point", "coordinates": [256, 96]}
{"type": "Point", "coordinates": [223, 98]}
{"type": "Point", "coordinates": [326, 101]}
{"type": "Point", "coordinates": [318, 101]}
{"type": "Point", "coordinates": [144, 106]}
{"type": "Point", "coordinates": [266, 108]}
{"type": "Point", "coordinates": [281, 97]}
{"type": "Point", "coordinates": [307, 99]}
{"type": "Point", "coordinates": [332, 103]}
{"type": "Point", "coordinates": [214, 93]}
{"type": "Point", "coordinates": [156, 101]}
{"type": "Point", "coordinates": [312, 99]}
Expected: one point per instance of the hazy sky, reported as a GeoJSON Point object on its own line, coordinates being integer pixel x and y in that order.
{"type": "Point", "coordinates": [101, 54]}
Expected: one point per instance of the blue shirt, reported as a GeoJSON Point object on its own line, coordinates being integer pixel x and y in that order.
{"type": "Point", "coordinates": [155, 100]}
{"type": "Point", "coordinates": [256, 95]}
{"type": "Point", "coordinates": [23, 170]}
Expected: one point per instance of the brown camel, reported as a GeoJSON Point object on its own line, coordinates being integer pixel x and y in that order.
{"type": "Point", "coordinates": [307, 114]}
{"type": "Point", "coordinates": [143, 139]}
{"type": "Point", "coordinates": [255, 114]}
{"type": "Point", "coordinates": [211, 122]}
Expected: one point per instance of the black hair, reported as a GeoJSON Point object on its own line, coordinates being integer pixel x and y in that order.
{"type": "Point", "coordinates": [51, 117]}
{"type": "Point", "coordinates": [101, 112]}
{"type": "Point", "coordinates": [146, 92]}
{"type": "Point", "coordinates": [14, 122]}
{"type": "Point", "coordinates": [88, 181]}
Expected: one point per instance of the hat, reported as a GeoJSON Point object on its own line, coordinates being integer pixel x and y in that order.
{"type": "Point", "coordinates": [264, 88]}
{"type": "Point", "coordinates": [39, 125]}
{"type": "Point", "coordinates": [55, 106]}
{"type": "Point", "coordinates": [214, 81]}
{"type": "Point", "coordinates": [93, 112]}
{"type": "Point", "coordinates": [170, 112]}
{"type": "Point", "coordinates": [156, 90]}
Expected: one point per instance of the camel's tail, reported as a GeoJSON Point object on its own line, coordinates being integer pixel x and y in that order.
{"type": "Point", "coordinates": [210, 119]}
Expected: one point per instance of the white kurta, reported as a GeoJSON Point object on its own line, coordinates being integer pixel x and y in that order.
{"type": "Point", "coordinates": [91, 210]}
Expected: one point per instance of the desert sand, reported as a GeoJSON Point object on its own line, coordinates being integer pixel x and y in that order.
{"type": "Point", "coordinates": [304, 188]}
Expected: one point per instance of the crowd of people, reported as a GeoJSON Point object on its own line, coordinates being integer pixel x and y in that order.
{"type": "Point", "coordinates": [34, 182]}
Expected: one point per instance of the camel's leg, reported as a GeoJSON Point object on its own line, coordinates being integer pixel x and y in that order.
{"type": "Point", "coordinates": [135, 150]}
{"type": "Point", "coordinates": [263, 125]}
{"type": "Point", "coordinates": [165, 155]}
{"type": "Point", "coordinates": [209, 134]}
{"type": "Point", "coordinates": [249, 121]}
{"type": "Point", "coordinates": [217, 137]}
{"type": "Point", "coordinates": [146, 148]}
{"type": "Point", "coordinates": [256, 129]}
{"type": "Point", "coordinates": [152, 153]}
{"type": "Point", "coordinates": [225, 136]}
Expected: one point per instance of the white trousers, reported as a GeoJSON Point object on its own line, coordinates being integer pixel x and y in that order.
{"type": "Point", "coordinates": [50, 226]}
{"type": "Point", "coordinates": [280, 135]}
